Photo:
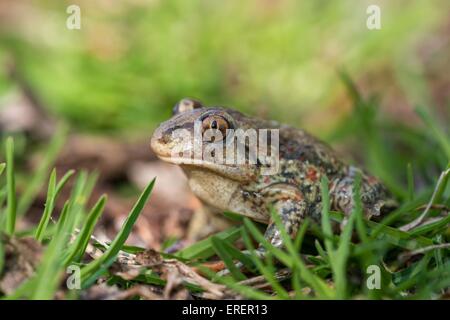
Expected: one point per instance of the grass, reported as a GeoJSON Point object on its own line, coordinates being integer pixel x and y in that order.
{"type": "Point", "coordinates": [414, 262]}
{"type": "Point", "coordinates": [269, 55]}
{"type": "Point", "coordinates": [59, 252]}
{"type": "Point", "coordinates": [338, 256]}
{"type": "Point", "coordinates": [91, 271]}
{"type": "Point", "coordinates": [40, 175]}
{"type": "Point", "coordinates": [53, 192]}
{"type": "Point", "coordinates": [10, 187]}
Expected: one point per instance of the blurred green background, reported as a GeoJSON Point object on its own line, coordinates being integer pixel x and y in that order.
{"type": "Point", "coordinates": [132, 60]}
{"type": "Point", "coordinates": [380, 97]}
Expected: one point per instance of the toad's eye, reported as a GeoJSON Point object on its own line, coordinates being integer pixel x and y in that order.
{"type": "Point", "coordinates": [216, 123]}
{"type": "Point", "coordinates": [186, 105]}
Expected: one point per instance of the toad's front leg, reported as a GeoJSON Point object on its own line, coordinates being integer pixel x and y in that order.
{"type": "Point", "coordinates": [290, 205]}
{"type": "Point", "coordinates": [291, 208]}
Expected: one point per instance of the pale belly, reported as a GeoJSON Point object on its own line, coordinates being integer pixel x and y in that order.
{"type": "Point", "coordinates": [225, 195]}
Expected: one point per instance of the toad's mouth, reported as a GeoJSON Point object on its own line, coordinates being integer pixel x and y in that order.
{"type": "Point", "coordinates": [232, 172]}
{"type": "Point", "coordinates": [183, 160]}
{"type": "Point", "coordinates": [195, 162]}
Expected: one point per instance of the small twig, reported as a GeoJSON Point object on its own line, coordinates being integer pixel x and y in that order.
{"type": "Point", "coordinates": [419, 220]}
{"type": "Point", "coordinates": [386, 267]}
{"type": "Point", "coordinates": [139, 290]}
{"type": "Point", "coordinates": [441, 207]}
{"type": "Point", "coordinates": [189, 275]}
{"type": "Point", "coordinates": [407, 255]}
{"type": "Point", "coordinates": [174, 267]}
{"type": "Point", "coordinates": [95, 253]}
{"type": "Point", "coordinates": [279, 275]}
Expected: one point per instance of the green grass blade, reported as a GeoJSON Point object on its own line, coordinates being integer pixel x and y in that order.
{"type": "Point", "coordinates": [48, 207]}
{"type": "Point", "coordinates": [340, 259]}
{"type": "Point", "coordinates": [238, 255]}
{"type": "Point", "coordinates": [282, 293]}
{"type": "Point", "coordinates": [391, 235]}
{"type": "Point", "coordinates": [404, 210]}
{"type": "Point", "coordinates": [223, 253]}
{"type": "Point", "coordinates": [78, 197]}
{"type": "Point", "coordinates": [259, 237]}
{"type": "Point", "coordinates": [301, 235]}
{"type": "Point", "coordinates": [2, 167]}
{"type": "Point", "coordinates": [326, 224]}
{"type": "Point", "coordinates": [297, 284]}
{"type": "Point", "coordinates": [351, 86]}
{"type": "Point", "coordinates": [90, 272]}
{"type": "Point", "coordinates": [242, 289]}
{"type": "Point", "coordinates": [430, 227]}
{"type": "Point", "coordinates": [442, 184]}
{"type": "Point", "coordinates": [3, 195]}
{"type": "Point", "coordinates": [2, 254]}
{"type": "Point", "coordinates": [290, 260]}
{"type": "Point", "coordinates": [358, 212]}
{"type": "Point", "coordinates": [22, 291]}
{"type": "Point", "coordinates": [84, 196]}
{"type": "Point", "coordinates": [439, 135]}
{"type": "Point", "coordinates": [414, 274]}
{"type": "Point", "coordinates": [203, 249]}
{"type": "Point", "coordinates": [319, 286]}
{"type": "Point", "coordinates": [83, 238]}
{"type": "Point", "coordinates": [321, 251]}
{"type": "Point", "coordinates": [38, 179]}
{"type": "Point", "coordinates": [11, 188]}
{"type": "Point", "coordinates": [51, 269]}
{"type": "Point", "coordinates": [63, 217]}
{"type": "Point", "coordinates": [233, 216]}
{"type": "Point", "coordinates": [64, 180]}
{"type": "Point", "coordinates": [410, 182]}
{"type": "Point", "coordinates": [52, 194]}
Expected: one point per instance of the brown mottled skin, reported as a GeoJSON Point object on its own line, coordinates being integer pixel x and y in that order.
{"type": "Point", "coordinates": [294, 191]}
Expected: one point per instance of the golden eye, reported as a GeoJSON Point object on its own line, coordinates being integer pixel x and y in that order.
{"type": "Point", "coordinates": [216, 123]}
